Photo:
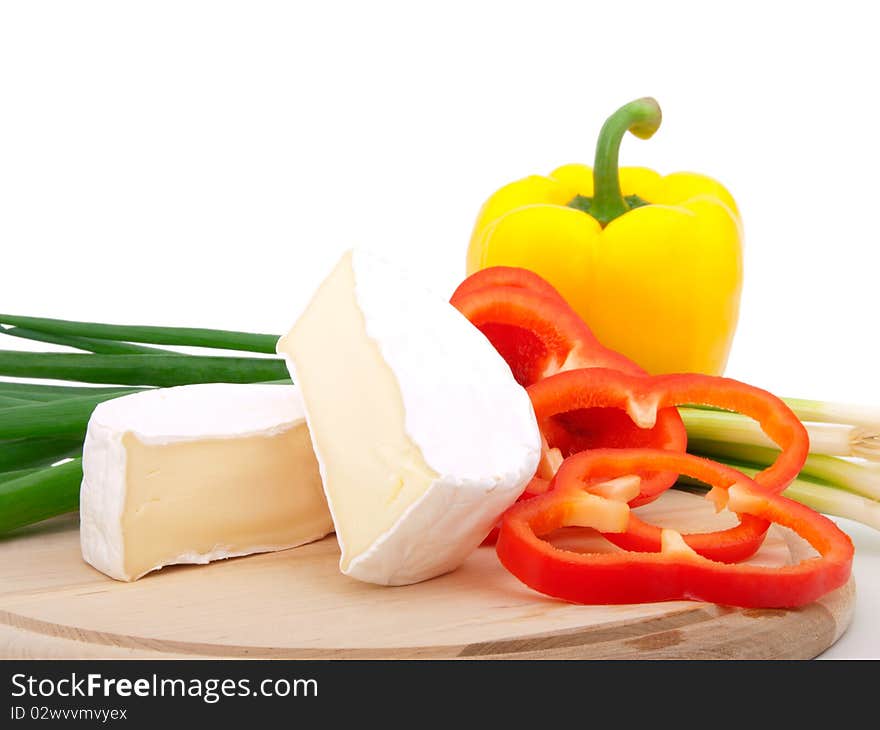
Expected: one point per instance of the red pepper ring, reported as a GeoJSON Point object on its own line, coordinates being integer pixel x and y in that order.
{"type": "Point", "coordinates": [533, 489]}
{"type": "Point", "coordinates": [725, 546]}
{"type": "Point", "coordinates": [675, 572]}
{"type": "Point", "coordinates": [511, 276]}
{"type": "Point", "coordinates": [538, 334]}
{"type": "Point", "coordinates": [644, 397]}
{"type": "Point", "coordinates": [581, 391]}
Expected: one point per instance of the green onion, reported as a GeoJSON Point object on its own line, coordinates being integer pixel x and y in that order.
{"type": "Point", "coordinates": [836, 429]}
{"type": "Point", "coordinates": [182, 336]}
{"type": "Point", "coordinates": [67, 417]}
{"type": "Point", "coordinates": [88, 344]}
{"type": "Point", "coordinates": [859, 478]}
{"type": "Point", "coordinates": [6, 401]}
{"type": "Point", "coordinates": [831, 439]}
{"type": "Point", "coordinates": [26, 453]}
{"type": "Point", "coordinates": [831, 501]}
{"type": "Point", "coordinates": [164, 370]}
{"type": "Point", "coordinates": [829, 412]}
{"type": "Point", "coordinates": [8, 476]}
{"type": "Point", "coordinates": [40, 495]}
{"type": "Point", "coordinates": [816, 495]}
{"type": "Point", "coordinates": [39, 392]}
{"type": "Point", "coordinates": [849, 414]}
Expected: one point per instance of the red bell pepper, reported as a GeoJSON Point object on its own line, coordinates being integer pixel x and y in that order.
{"type": "Point", "coordinates": [675, 571]}
{"type": "Point", "coordinates": [509, 276]}
{"type": "Point", "coordinates": [531, 325]}
{"type": "Point", "coordinates": [595, 393]}
{"type": "Point", "coordinates": [540, 335]}
{"type": "Point", "coordinates": [535, 487]}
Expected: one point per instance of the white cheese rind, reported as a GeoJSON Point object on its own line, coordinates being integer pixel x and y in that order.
{"type": "Point", "coordinates": [191, 413]}
{"type": "Point", "coordinates": [464, 409]}
{"type": "Point", "coordinates": [437, 533]}
{"type": "Point", "coordinates": [102, 499]}
{"type": "Point", "coordinates": [472, 422]}
{"type": "Point", "coordinates": [204, 410]}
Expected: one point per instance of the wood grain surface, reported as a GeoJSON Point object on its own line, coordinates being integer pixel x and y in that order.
{"type": "Point", "coordinates": [296, 604]}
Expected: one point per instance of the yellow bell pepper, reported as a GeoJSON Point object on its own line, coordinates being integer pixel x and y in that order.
{"type": "Point", "coordinates": [652, 264]}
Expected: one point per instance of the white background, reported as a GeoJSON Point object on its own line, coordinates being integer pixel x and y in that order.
{"type": "Point", "coordinates": [204, 164]}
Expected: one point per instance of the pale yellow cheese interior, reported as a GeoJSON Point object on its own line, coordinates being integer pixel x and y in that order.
{"type": "Point", "coordinates": [228, 495]}
{"type": "Point", "coordinates": [373, 471]}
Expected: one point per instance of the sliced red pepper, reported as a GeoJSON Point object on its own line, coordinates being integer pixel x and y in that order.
{"type": "Point", "coordinates": [592, 394]}
{"type": "Point", "coordinates": [540, 335]}
{"type": "Point", "coordinates": [675, 572]}
{"type": "Point", "coordinates": [537, 333]}
{"type": "Point", "coordinates": [534, 488]}
{"type": "Point", "coordinates": [509, 276]}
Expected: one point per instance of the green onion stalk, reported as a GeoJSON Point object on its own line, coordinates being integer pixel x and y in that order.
{"type": "Point", "coordinates": [840, 475]}
{"type": "Point", "coordinates": [88, 344]}
{"type": "Point", "coordinates": [829, 438]}
{"type": "Point", "coordinates": [37, 496]}
{"type": "Point", "coordinates": [817, 495]}
{"type": "Point", "coordinates": [181, 336]}
{"type": "Point", "coordinates": [861, 478]}
{"type": "Point", "coordinates": [161, 370]}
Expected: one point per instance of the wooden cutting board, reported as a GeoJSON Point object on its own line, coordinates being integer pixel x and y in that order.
{"type": "Point", "coordinates": [295, 604]}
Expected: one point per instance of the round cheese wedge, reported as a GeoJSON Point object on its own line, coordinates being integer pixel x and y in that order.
{"type": "Point", "coordinates": [422, 435]}
{"type": "Point", "coordinates": [197, 473]}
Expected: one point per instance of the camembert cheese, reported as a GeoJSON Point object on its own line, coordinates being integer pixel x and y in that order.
{"type": "Point", "coordinates": [198, 473]}
{"type": "Point", "coordinates": [422, 435]}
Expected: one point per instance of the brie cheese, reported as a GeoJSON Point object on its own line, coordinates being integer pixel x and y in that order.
{"type": "Point", "coordinates": [422, 435]}
{"type": "Point", "coordinates": [197, 473]}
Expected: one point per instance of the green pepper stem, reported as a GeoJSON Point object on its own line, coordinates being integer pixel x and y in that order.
{"type": "Point", "coordinates": [641, 117]}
